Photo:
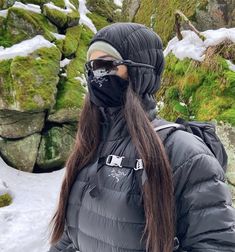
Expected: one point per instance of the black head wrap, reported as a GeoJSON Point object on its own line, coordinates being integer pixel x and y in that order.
{"type": "Point", "coordinates": [138, 43]}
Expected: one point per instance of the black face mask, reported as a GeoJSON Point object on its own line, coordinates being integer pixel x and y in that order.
{"type": "Point", "coordinates": [107, 91]}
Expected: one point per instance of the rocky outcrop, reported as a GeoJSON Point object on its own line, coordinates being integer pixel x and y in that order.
{"type": "Point", "coordinates": [205, 14]}
{"type": "Point", "coordinates": [42, 90]}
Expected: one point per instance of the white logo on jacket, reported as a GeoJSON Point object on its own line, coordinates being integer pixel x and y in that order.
{"type": "Point", "coordinates": [117, 173]}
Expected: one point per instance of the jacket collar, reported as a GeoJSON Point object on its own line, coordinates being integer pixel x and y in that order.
{"type": "Point", "coordinates": [113, 124]}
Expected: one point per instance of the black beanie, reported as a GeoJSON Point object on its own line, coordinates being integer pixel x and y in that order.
{"type": "Point", "coordinates": [138, 43]}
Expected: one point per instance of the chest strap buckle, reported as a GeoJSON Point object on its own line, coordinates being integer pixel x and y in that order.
{"type": "Point", "coordinates": [139, 164]}
{"type": "Point", "coordinates": [113, 160]}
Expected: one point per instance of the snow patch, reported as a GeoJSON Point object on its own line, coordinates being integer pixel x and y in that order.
{"type": "Point", "coordinates": [82, 80]}
{"type": "Point", "coordinates": [68, 7]}
{"type": "Point", "coordinates": [24, 223]}
{"type": "Point", "coordinates": [231, 65]}
{"type": "Point", "coordinates": [54, 7]}
{"type": "Point", "coordinates": [3, 13]}
{"type": "Point", "coordinates": [64, 62]}
{"type": "Point", "coordinates": [25, 47]}
{"type": "Point", "coordinates": [192, 46]}
{"type": "Point", "coordinates": [29, 7]}
{"type": "Point", "coordinates": [118, 2]}
{"type": "Point", "coordinates": [58, 36]}
{"type": "Point", "coordinates": [83, 18]}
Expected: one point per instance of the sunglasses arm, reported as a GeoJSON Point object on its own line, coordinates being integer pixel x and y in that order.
{"type": "Point", "coordinates": [133, 64]}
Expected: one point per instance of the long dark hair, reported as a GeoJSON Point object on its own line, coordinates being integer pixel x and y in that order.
{"type": "Point", "coordinates": [158, 194]}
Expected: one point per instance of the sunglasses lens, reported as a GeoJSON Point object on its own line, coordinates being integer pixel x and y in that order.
{"type": "Point", "coordinates": [106, 65]}
{"type": "Point", "coordinates": [100, 67]}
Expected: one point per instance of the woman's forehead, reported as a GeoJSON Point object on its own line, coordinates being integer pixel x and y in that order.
{"type": "Point", "coordinates": [100, 54]}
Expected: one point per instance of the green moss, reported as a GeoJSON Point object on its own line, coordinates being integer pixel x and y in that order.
{"type": "Point", "coordinates": [70, 94]}
{"type": "Point", "coordinates": [164, 11]}
{"type": "Point", "coordinates": [71, 40]}
{"type": "Point", "coordinates": [207, 89]}
{"type": "Point", "coordinates": [5, 4]}
{"type": "Point", "coordinates": [38, 2]}
{"type": "Point", "coordinates": [75, 3]}
{"type": "Point", "coordinates": [98, 20]}
{"type": "Point", "coordinates": [22, 24]}
{"type": "Point", "coordinates": [73, 18]}
{"type": "Point", "coordinates": [5, 200]}
{"type": "Point", "coordinates": [105, 8]}
{"type": "Point", "coordinates": [6, 85]}
{"type": "Point", "coordinates": [35, 78]}
{"type": "Point", "coordinates": [76, 66]}
{"type": "Point", "coordinates": [55, 16]}
{"type": "Point", "coordinates": [59, 3]}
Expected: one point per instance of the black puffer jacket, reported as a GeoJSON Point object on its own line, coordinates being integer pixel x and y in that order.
{"type": "Point", "coordinates": [105, 213]}
{"type": "Point", "coordinates": [113, 219]}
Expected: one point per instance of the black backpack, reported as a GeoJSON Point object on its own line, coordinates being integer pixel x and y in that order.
{"type": "Point", "coordinates": [204, 130]}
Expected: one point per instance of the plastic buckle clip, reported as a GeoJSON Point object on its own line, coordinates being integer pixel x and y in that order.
{"type": "Point", "coordinates": [139, 164]}
{"type": "Point", "coordinates": [113, 160]}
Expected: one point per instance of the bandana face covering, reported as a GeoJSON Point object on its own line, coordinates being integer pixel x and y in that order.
{"type": "Point", "coordinates": [107, 91]}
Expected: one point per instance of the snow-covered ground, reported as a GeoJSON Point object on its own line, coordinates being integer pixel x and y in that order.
{"type": "Point", "coordinates": [192, 46]}
{"type": "Point", "coordinates": [24, 223]}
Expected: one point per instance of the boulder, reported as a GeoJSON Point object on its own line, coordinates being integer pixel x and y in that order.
{"type": "Point", "coordinates": [55, 147]}
{"type": "Point", "coordinates": [23, 24]}
{"type": "Point", "coordinates": [15, 124]}
{"type": "Point", "coordinates": [21, 153]}
{"type": "Point", "coordinates": [27, 83]}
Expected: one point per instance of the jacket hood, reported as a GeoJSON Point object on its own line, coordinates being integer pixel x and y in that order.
{"type": "Point", "coordinates": [138, 43]}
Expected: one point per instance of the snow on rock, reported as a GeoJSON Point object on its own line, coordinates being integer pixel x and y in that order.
{"type": "Point", "coordinates": [214, 37]}
{"type": "Point", "coordinates": [24, 223]}
{"type": "Point", "coordinates": [64, 62]}
{"type": "Point", "coordinates": [58, 36]}
{"type": "Point", "coordinates": [231, 65]}
{"type": "Point", "coordinates": [54, 7]}
{"type": "Point", "coordinates": [25, 47]}
{"type": "Point", "coordinates": [118, 2]}
{"type": "Point", "coordinates": [3, 13]}
{"type": "Point", "coordinates": [30, 7]}
{"type": "Point", "coordinates": [69, 7]}
{"type": "Point", "coordinates": [192, 46]}
{"type": "Point", "coordinates": [82, 80]}
{"type": "Point", "coordinates": [83, 18]}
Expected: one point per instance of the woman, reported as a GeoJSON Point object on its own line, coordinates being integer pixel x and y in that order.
{"type": "Point", "coordinates": [124, 190]}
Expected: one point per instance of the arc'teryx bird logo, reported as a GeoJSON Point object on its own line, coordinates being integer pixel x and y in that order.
{"type": "Point", "coordinates": [117, 173]}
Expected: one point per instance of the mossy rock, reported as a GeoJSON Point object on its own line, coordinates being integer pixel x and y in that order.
{"type": "Point", "coordinates": [15, 124]}
{"type": "Point", "coordinates": [70, 94]}
{"type": "Point", "coordinates": [76, 66]}
{"type": "Point", "coordinates": [105, 8]}
{"type": "Point", "coordinates": [38, 2]}
{"type": "Point", "coordinates": [22, 153]}
{"type": "Point", "coordinates": [22, 24]}
{"type": "Point", "coordinates": [64, 115]}
{"type": "Point", "coordinates": [5, 4]}
{"type": "Point", "coordinates": [60, 18]}
{"type": "Point", "coordinates": [5, 200]}
{"type": "Point", "coordinates": [55, 146]}
{"type": "Point", "coordinates": [55, 16]}
{"type": "Point", "coordinates": [162, 13]}
{"type": "Point", "coordinates": [98, 20]}
{"type": "Point", "coordinates": [71, 40]}
{"type": "Point", "coordinates": [59, 3]}
{"type": "Point", "coordinates": [207, 89]}
{"type": "Point", "coordinates": [28, 84]}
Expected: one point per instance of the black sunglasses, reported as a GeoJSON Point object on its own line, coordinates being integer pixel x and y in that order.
{"type": "Point", "coordinates": [101, 67]}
